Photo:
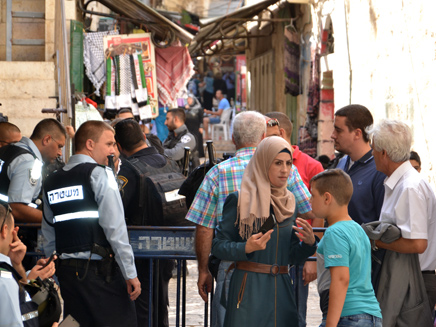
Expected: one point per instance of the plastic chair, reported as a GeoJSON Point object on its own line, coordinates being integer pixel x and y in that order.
{"type": "Point", "coordinates": [224, 124]}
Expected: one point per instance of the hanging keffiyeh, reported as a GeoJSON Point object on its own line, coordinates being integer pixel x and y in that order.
{"type": "Point", "coordinates": [127, 86]}
{"type": "Point", "coordinates": [131, 75]}
{"type": "Point", "coordinates": [93, 58]}
{"type": "Point", "coordinates": [174, 69]}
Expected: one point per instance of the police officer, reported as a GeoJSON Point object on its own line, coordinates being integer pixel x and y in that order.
{"type": "Point", "coordinates": [84, 222]}
{"type": "Point", "coordinates": [9, 133]}
{"type": "Point", "coordinates": [20, 168]}
{"type": "Point", "coordinates": [179, 138]}
{"type": "Point", "coordinates": [16, 306]}
{"type": "Point", "coordinates": [133, 146]}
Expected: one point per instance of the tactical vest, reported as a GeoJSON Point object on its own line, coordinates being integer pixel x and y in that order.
{"type": "Point", "coordinates": [7, 154]}
{"type": "Point", "coordinates": [75, 211]}
{"type": "Point", "coordinates": [28, 308]}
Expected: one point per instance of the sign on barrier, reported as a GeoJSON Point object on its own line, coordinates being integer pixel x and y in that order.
{"type": "Point", "coordinates": [162, 242]}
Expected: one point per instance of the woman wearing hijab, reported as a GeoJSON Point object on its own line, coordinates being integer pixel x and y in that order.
{"type": "Point", "coordinates": [261, 292]}
{"type": "Point", "coordinates": [194, 121]}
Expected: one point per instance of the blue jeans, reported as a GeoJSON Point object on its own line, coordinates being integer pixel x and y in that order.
{"type": "Point", "coordinates": [303, 294]}
{"type": "Point", "coordinates": [362, 320]}
{"type": "Point", "coordinates": [218, 311]}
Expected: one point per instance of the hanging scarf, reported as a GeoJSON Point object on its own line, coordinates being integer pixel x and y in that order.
{"type": "Point", "coordinates": [93, 57]}
{"type": "Point", "coordinates": [257, 194]}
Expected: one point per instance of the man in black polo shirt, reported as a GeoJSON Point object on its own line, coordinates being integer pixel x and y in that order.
{"type": "Point", "coordinates": [132, 144]}
{"type": "Point", "coordinates": [351, 138]}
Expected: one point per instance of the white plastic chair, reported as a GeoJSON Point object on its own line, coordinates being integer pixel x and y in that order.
{"type": "Point", "coordinates": [224, 124]}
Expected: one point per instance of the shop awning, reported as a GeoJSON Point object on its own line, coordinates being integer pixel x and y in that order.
{"type": "Point", "coordinates": [155, 22]}
{"type": "Point", "coordinates": [227, 27]}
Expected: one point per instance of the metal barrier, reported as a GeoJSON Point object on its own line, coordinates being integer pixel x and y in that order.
{"type": "Point", "coordinates": [154, 243]}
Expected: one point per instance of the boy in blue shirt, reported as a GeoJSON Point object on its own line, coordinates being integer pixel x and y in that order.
{"type": "Point", "coordinates": [343, 257]}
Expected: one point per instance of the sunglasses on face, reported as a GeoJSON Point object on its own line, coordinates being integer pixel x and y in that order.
{"type": "Point", "coordinates": [272, 122]}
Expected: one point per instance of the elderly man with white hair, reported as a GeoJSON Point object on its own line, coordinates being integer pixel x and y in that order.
{"type": "Point", "coordinates": [409, 201]}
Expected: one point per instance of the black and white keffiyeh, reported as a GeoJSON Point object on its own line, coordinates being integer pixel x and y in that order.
{"type": "Point", "coordinates": [94, 58]}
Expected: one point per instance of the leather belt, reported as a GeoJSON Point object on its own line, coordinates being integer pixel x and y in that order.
{"type": "Point", "coordinates": [261, 268]}
{"type": "Point", "coordinates": [430, 272]}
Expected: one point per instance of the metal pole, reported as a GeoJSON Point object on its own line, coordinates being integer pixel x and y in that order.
{"type": "Point", "coordinates": [66, 60]}
{"type": "Point", "coordinates": [150, 291]}
{"type": "Point", "coordinates": [184, 293]}
{"type": "Point", "coordinates": [178, 294]}
{"type": "Point", "coordinates": [9, 30]}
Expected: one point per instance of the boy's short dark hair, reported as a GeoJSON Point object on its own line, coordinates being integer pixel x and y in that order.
{"type": "Point", "coordinates": [336, 182]}
{"type": "Point", "coordinates": [179, 112]}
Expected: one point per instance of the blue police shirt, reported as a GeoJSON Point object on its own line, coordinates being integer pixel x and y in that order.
{"type": "Point", "coordinates": [24, 173]}
{"type": "Point", "coordinates": [368, 190]}
{"type": "Point", "coordinates": [10, 314]}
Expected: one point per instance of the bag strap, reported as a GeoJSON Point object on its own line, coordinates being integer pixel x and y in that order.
{"type": "Point", "coordinates": [7, 267]}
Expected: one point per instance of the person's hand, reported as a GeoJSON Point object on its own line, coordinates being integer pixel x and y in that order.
{"type": "Point", "coordinates": [17, 249]}
{"type": "Point", "coordinates": [204, 284]}
{"type": "Point", "coordinates": [200, 130]}
{"type": "Point", "coordinates": [133, 288]}
{"type": "Point", "coordinates": [70, 131]}
{"type": "Point", "coordinates": [42, 272]}
{"type": "Point", "coordinates": [309, 272]}
{"type": "Point", "coordinates": [257, 242]}
{"type": "Point", "coordinates": [305, 233]}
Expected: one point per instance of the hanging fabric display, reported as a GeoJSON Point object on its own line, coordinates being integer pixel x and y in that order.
{"type": "Point", "coordinates": [314, 87]}
{"type": "Point", "coordinates": [93, 57]}
{"type": "Point", "coordinates": [175, 68]}
{"type": "Point", "coordinates": [308, 134]}
{"type": "Point", "coordinates": [292, 61]}
{"type": "Point", "coordinates": [131, 75]}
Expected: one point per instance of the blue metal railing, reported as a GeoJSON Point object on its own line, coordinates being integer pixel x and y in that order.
{"type": "Point", "coordinates": [154, 243]}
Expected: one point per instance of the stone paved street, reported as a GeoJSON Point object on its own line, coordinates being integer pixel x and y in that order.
{"type": "Point", "coordinates": [195, 305]}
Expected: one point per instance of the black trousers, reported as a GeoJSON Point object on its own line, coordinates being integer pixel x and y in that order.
{"type": "Point", "coordinates": [93, 302]}
{"type": "Point", "coordinates": [164, 276]}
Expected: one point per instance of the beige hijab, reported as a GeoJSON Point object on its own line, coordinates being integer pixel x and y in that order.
{"type": "Point", "coordinates": [257, 194]}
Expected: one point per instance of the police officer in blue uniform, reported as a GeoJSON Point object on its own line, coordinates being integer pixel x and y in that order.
{"type": "Point", "coordinates": [16, 306]}
{"type": "Point", "coordinates": [21, 166]}
{"type": "Point", "coordinates": [179, 138]}
{"type": "Point", "coordinates": [84, 222]}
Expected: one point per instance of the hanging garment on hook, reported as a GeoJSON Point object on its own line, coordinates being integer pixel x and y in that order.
{"type": "Point", "coordinates": [94, 58]}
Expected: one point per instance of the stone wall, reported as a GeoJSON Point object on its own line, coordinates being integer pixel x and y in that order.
{"type": "Point", "coordinates": [385, 59]}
